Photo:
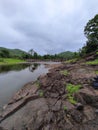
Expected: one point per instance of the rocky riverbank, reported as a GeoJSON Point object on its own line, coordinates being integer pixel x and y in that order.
{"type": "Point", "coordinates": [51, 103]}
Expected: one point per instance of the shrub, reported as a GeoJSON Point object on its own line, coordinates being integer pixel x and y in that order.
{"type": "Point", "coordinates": [41, 93]}
{"type": "Point", "coordinates": [64, 72]}
{"type": "Point", "coordinates": [71, 89]}
{"type": "Point", "coordinates": [94, 62]}
{"type": "Point", "coordinates": [65, 108]}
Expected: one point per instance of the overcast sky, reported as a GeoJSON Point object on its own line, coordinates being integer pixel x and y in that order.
{"type": "Point", "coordinates": [47, 26]}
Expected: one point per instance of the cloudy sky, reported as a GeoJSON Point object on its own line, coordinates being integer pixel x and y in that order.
{"type": "Point", "coordinates": [47, 26]}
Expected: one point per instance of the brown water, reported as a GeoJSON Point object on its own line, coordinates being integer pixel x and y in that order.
{"type": "Point", "coordinates": [13, 77]}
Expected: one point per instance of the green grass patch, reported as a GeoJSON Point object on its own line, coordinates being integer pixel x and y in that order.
{"type": "Point", "coordinates": [64, 72]}
{"type": "Point", "coordinates": [37, 83]}
{"type": "Point", "coordinates": [97, 52]}
{"type": "Point", "coordinates": [41, 93]}
{"type": "Point", "coordinates": [71, 61]}
{"type": "Point", "coordinates": [72, 100]}
{"type": "Point", "coordinates": [94, 62]}
{"type": "Point", "coordinates": [71, 89]}
{"type": "Point", "coordinates": [4, 61]}
{"type": "Point", "coordinates": [96, 71]}
{"type": "Point", "coordinates": [65, 108]}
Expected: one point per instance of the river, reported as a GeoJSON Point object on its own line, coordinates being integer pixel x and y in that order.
{"type": "Point", "coordinates": [14, 77]}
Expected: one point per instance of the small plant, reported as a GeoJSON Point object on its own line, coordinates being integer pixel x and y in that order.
{"type": "Point", "coordinates": [71, 89]}
{"type": "Point", "coordinates": [37, 83]}
{"type": "Point", "coordinates": [96, 71]}
{"type": "Point", "coordinates": [94, 62]}
{"type": "Point", "coordinates": [41, 94]}
{"type": "Point", "coordinates": [71, 61]}
{"type": "Point", "coordinates": [65, 108]}
{"type": "Point", "coordinates": [64, 72]}
{"type": "Point", "coordinates": [72, 100]}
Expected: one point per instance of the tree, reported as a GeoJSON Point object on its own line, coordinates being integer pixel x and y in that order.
{"type": "Point", "coordinates": [91, 32]}
{"type": "Point", "coordinates": [35, 55]}
{"type": "Point", "coordinates": [5, 53]}
{"type": "Point", "coordinates": [31, 52]}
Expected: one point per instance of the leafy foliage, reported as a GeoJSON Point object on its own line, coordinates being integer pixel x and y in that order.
{"type": "Point", "coordinates": [41, 93]}
{"type": "Point", "coordinates": [66, 55]}
{"type": "Point", "coordinates": [65, 108]}
{"type": "Point", "coordinates": [71, 89]}
{"type": "Point", "coordinates": [96, 71]}
{"type": "Point", "coordinates": [94, 62]}
{"type": "Point", "coordinates": [91, 32]}
{"type": "Point", "coordinates": [64, 72]}
{"type": "Point", "coordinates": [13, 53]}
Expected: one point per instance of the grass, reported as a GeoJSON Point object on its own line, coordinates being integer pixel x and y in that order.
{"type": "Point", "coordinates": [37, 83]}
{"type": "Point", "coordinates": [94, 62]}
{"type": "Point", "coordinates": [71, 89]}
{"type": "Point", "coordinates": [96, 71]}
{"type": "Point", "coordinates": [64, 72]}
{"type": "Point", "coordinates": [41, 93]}
{"type": "Point", "coordinates": [65, 108]}
{"type": "Point", "coordinates": [4, 61]}
{"type": "Point", "coordinates": [72, 100]}
{"type": "Point", "coordinates": [71, 61]}
{"type": "Point", "coordinates": [97, 52]}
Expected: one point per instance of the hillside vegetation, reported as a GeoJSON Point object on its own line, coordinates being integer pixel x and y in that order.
{"type": "Point", "coordinates": [13, 53]}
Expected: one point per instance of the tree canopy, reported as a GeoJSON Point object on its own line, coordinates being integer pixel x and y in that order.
{"type": "Point", "coordinates": [91, 32]}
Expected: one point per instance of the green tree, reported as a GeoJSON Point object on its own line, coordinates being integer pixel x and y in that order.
{"type": "Point", "coordinates": [4, 53]}
{"type": "Point", "coordinates": [35, 55]}
{"type": "Point", "coordinates": [91, 32]}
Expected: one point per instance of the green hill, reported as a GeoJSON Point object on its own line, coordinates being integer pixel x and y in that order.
{"type": "Point", "coordinates": [66, 54]}
{"type": "Point", "coordinates": [5, 52]}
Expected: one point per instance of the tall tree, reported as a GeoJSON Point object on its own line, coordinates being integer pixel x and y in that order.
{"type": "Point", "coordinates": [91, 32]}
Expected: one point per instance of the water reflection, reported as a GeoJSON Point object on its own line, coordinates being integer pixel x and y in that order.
{"type": "Point", "coordinates": [18, 67]}
{"type": "Point", "coordinates": [33, 67]}
{"type": "Point", "coordinates": [13, 77]}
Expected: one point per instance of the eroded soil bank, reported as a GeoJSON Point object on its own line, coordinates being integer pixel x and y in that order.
{"type": "Point", "coordinates": [48, 104]}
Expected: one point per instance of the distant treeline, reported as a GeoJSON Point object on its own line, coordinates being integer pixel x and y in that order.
{"type": "Point", "coordinates": [17, 53]}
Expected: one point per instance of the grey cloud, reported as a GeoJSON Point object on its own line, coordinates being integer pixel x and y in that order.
{"type": "Point", "coordinates": [48, 26]}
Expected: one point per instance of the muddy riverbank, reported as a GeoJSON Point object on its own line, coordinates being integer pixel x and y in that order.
{"type": "Point", "coordinates": [51, 103]}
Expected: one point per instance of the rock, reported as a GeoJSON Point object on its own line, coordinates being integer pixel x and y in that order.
{"type": "Point", "coordinates": [1, 128]}
{"type": "Point", "coordinates": [54, 95]}
{"type": "Point", "coordinates": [32, 115]}
{"type": "Point", "coordinates": [96, 111]}
{"type": "Point", "coordinates": [57, 106]}
{"type": "Point", "coordinates": [54, 111]}
{"type": "Point", "coordinates": [79, 106]}
{"type": "Point", "coordinates": [89, 113]}
{"type": "Point", "coordinates": [77, 116]}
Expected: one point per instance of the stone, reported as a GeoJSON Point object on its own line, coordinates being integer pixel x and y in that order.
{"type": "Point", "coordinates": [96, 111]}
{"type": "Point", "coordinates": [79, 106]}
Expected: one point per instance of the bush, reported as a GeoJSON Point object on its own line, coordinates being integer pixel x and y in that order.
{"type": "Point", "coordinates": [71, 89]}
{"type": "Point", "coordinates": [64, 72]}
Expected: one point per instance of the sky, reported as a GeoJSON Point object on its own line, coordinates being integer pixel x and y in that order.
{"type": "Point", "coordinates": [47, 26]}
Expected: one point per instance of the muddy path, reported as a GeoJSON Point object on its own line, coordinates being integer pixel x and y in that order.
{"type": "Point", "coordinates": [49, 104]}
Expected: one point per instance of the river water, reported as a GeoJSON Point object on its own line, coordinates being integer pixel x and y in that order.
{"type": "Point", "coordinates": [14, 77]}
